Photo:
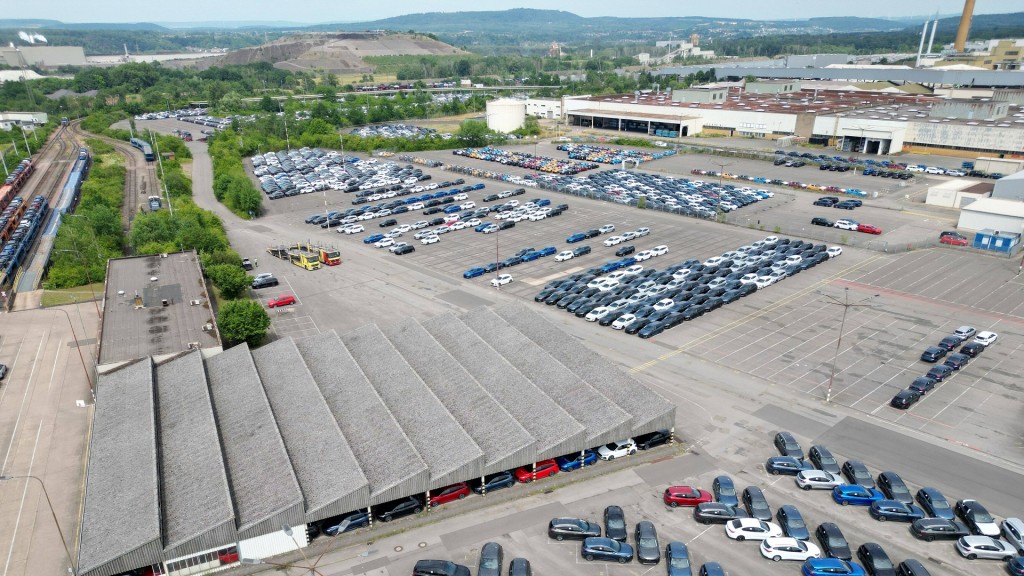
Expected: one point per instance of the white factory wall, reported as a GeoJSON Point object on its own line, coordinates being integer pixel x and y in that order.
{"type": "Point", "coordinates": [964, 136]}
{"type": "Point", "coordinates": [741, 120]}
{"type": "Point", "coordinates": [873, 128]}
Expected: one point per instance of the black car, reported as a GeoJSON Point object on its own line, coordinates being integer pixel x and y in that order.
{"type": "Point", "coordinates": [792, 522]}
{"type": "Point", "coordinates": [580, 251]}
{"type": "Point", "coordinates": [388, 222]}
{"type": "Point", "coordinates": [572, 529]}
{"type": "Point", "coordinates": [885, 510]}
{"type": "Point", "coordinates": [912, 567]}
{"type": "Point", "coordinates": [788, 446]}
{"type": "Point", "coordinates": [615, 523]}
{"type": "Point", "coordinates": [491, 559]}
{"type": "Point", "coordinates": [625, 250]}
{"type": "Point", "coordinates": [875, 561]}
{"type": "Point", "coordinates": [506, 224]}
{"type": "Point", "coordinates": [648, 551]}
{"type": "Point", "coordinates": [972, 349]}
{"type": "Point", "coordinates": [939, 372]}
{"type": "Point", "coordinates": [495, 481]}
{"type": "Point", "coordinates": [833, 542]}
{"type": "Point", "coordinates": [929, 529]}
{"type": "Point", "coordinates": [825, 201]}
{"type": "Point", "coordinates": [519, 567]}
{"type": "Point", "coordinates": [818, 221]}
{"type": "Point", "coordinates": [656, 438]}
{"type": "Point", "coordinates": [922, 384]}
{"type": "Point", "coordinates": [405, 249]}
{"type": "Point", "coordinates": [345, 523]}
{"type": "Point", "coordinates": [934, 503]}
{"type": "Point", "coordinates": [398, 508]}
{"type": "Point", "coordinates": [957, 361]}
{"type": "Point", "coordinates": [973, 514]}
{"type": "Point", "coordinates": [756, 504]}
{"type": "Point", "coordinates": [606, 549]}
{"type": "Point", "coordinates": [717, 513]}
{"type": "Point", "coordinates": [857, 473]}
{"type": "Point", "coordinates": [823, 459]}
{"type": "Point", "coordinates": [439, 568]}
{"type": "Point", "coordinates": [894, 488]}
{"type": "Point", "coordinates": [848, 204]}
{"type": "Point", "coordinates": [933, 354]}
{"type": "Point", "coordinates": [788, 465]}
{"type": "Point", "coordinates": [904, 399]}
{"type": "Point", "coordinates": [950, 342]}
{"type": "Point", "coordinates": [264, 282]}
{"type": "Point", "coordinates": [593, 233]}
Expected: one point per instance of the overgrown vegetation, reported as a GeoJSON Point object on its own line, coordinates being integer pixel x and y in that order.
{"type": "Point", "coordinates": [243, 321]}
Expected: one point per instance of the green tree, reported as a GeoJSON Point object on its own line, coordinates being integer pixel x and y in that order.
{"type": "Point", "coordinates": [474, 133]}
{"type": "Point", "coordinates": [267, 104]}
{"type": "Point", "coordinates": [230, 280]}
{"type": "Point", "coordinates": [243, 321]}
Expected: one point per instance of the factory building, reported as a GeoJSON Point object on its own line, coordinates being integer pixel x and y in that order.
{"type": "Point", "coordinates": [42, 56]}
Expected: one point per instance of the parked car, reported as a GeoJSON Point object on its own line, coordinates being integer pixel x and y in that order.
{"type": "Point", "coordinates": [934, 503]}
{"type": "Point", "coordinates": [977, 518]}
{"type": "Point", "coordinates": [751, 529]}
{"type": "Point", "coordinates": [885, 510]}
{"type": "Point", "coordinates": [894, 488]}
{"type": "Point", "coordinates": [817, 480]}
{"type": "Point", "coordinates": [685, 496]}
{"type": "Point", "coordinates": [974, 547]}
{"type": "Point", "coordinates": [677, 559]}
{"type": "Point", "coordinates": [933, 354]}
{"type": "Point", "coordinates": [788, 446]}
{"type": "Point", "coordinates": [282, 300]}
{"type": "Point", "coordinates": [792, 522]}
{"type": "Point", "coordinates": [830, 567]}
{"type": "Point", "coordinates": [785, 548]}
{"type": "Point", "coordinates": [724, 490]}
{"type": "Point", "coordinates": [606, 549]}
{"type": "Point", "coordinates": [856, 495]}
{"type": "Point", "coordinates": [756, 504]}
{"type": "Point", "coordinates": [822, 459]}
{"type": "Point", "coordinates": [648, 551]}
{"type": "Point", "coordinates": [904, 399]}
{"type": "Point", "coordinates": [986, 338]}
{"type": "Point", "coordinates": [345, 523]}
{"type": "Point", "coordinates": [542, 469]}
{"type": "Point", "coordinates": [493, 482]}
{"type": "Point", "coordinates": [398, 508]}
{"type": "Point", "coordinates": [833, 541]}
{"type": "Point", "coordinates": [876, 562]}
{"type": "Point", "coordinates": [449, 494]}
{"type": "Point", "coordinates": [618, 449]}
{"type": "Point", "coordinates": [717, 513]}
{"type": "Point", "coordinates": [573, 529]}
{"type": "Point", "coordinates": [571, 462]}
{"type": "Point", "coordinates": [439, 568]}
{"type": "Point", "coordinates": [615, 523]}
{"type": "Point", "coordinates": [652, 439]}
{"type": "Point", "coordinates": [929, 529]}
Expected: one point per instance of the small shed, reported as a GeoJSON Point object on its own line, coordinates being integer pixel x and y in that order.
{"type": "Point", "coordinates": [996, 241]}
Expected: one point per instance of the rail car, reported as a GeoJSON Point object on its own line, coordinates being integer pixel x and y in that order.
{"type": "Point", "coordinates": [15, 181]}
{"type": "Point", "coordinates": [10, 217]}
{"type": "Point", "coordinates": [16, 247]}
{"type": "Point", "coordinates": [144, 146]}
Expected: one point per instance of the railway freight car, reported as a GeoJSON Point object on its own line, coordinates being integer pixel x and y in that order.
{"type": "Point", "coordinates": [15, 181]}
{"type": "Point", "coordinates": [10, 217]}
{"type": "Point", "coordinates": [144, 146]}
{"type": "Point", "coordinates": [14, 250]}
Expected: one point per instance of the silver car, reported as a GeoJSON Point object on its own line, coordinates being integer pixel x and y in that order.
{"type": "Point", "coordinates": [817, 480]}
{"type": "Point", "coordinates": [973, 547]}
{"type": "Point", "coordinates": [1013, 531]}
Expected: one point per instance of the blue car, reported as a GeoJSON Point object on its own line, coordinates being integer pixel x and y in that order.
{"type": "Point", "coordinates": [627, 262]}
{"type": "Point", "coordinates": [831, 567]}
{"type": "Point", "coordinates": [495, 481]}
{"type": "Point", "coordinates": [792, 522]}
{"type": "Point", "coordinates": [481, 227]}
{"type": "Point", "coordinates": [547, 251]}
{"type": "Point", "coordinates": [577, 237]}
{"type": "Point", "coordinates": [452, 209]}
{"type": "Point", "coordinates": [725, 491]}
{"type": "Point", "coordinates": [473, 272]}
{"type": "Point", "coordinates": [345, 523]}
{"type": "Point", "coordinates": [479, 186]}
{"type": "Point", "coordinates": [934, 503]}
{"type": "Point", "coordinates": [530, 256]}
{"type": "Point", "coordinates": [571, 462]}
{"type": "Point", "coordinates": [543, 202]}
{"type": "Point", "coordinates": [606, 549]}
{"type": "Point", "coordinates": [677, 559]}
{"type": "Point", "coordinates": [611, 266]}
{"type": "Point", "coordinates": [788, 465]}
{"type": "Point", "coordinates": [897, 511]}
{"type": "Point", "coordinates": [846, 494]}
{"type": "Point", "coordinates": [373, 238]}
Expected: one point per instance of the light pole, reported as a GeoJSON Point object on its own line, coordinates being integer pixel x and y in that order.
{"type": "Point", "coordinates": [721, 168]}
{"type": "Point", "coordinates": [81, 357]}
{"type": "Point", "coordinates": [287, 140]}
{"type": "Point", "coordinates": [846, 304]}
{"type": "Point", "coordinates": [49, 504]}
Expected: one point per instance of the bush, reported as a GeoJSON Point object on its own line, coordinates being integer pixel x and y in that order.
{"type": "Point", "coordinates": [230, 279]}
{"type": "Point", "coordinates": [243, 321]}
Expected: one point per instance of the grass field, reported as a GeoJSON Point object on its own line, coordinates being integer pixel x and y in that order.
{"type": "Point", "coordinates": [72, 295]}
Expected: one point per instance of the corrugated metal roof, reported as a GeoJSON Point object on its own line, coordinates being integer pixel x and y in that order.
{"type": "Point", "coordinates": [605, 422]}
{"type": "Point", "coordinates": [121, 513]}
{"type": "Point", "coordinates": [649, 409]}
{"type": "Point", "coordinates": [329, 476]}
{"type": "Point", "coordinates": [391, 464]}
{"type": "Point", "coordinates": [506, 444]}
{"type": "Point", "coordinates": [997, 206]}
{"type": "Point", "coordinates": [197, 510]}
{"type": "Point", "coordinates": [556, 431]}
{"type": "Point", "coordinates": [442, 443]}
{"type": "Point", "coordinates": [266, 492]}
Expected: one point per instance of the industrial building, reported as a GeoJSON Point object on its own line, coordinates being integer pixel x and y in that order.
{"type": "Point", "coordinates": [1010, 187]}
{"type": "Point", "coordinates": [957, 193]}
{"type": "Point", "coordinates": [42, 56]}
{"type": "Point", "coordinates": [197, 462]}
{"type": "Point", "coordinates": [1001, 220]}
{"type": "Point", "coordinates": [506, 114]}
{"type": "Point", "coordinates": [11, 120]}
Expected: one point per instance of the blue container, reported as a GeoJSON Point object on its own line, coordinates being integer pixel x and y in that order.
{"type": "Point", "coordinates": [673, 134]}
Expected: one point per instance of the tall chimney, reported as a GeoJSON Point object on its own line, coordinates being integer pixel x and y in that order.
{"type": "Point", "coordinates": [920, 49]}
{"type": "Point", "coordinates": [965, 26]}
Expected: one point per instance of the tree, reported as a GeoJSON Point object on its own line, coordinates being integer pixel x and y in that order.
{"type": "Point", "coordinates": [230, 280]}
{"type": "Point", "coordinates": [243, 321]}
{"type": "Point", "coordinates": [474, 133]}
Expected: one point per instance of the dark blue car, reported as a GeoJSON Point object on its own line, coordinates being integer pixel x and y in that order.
{"type": "Point", "coordinates": [495, 481]}
{"type": "Point", "coordinates": [606, 549]}
{"type": "Point", "coordinates": [934, 503]}
{"type": "Point", "coordinates": [571, 462]}
{"type": "Point", "coordinates": [897, 511]}
{"type": "Point", "coordinates": [792, 522]}
{"type": "Point", "coordinates": [788, 465]}
{"type": "Point", "coordinates": [473, 272]}
{"type": "Point", "coordinates": [627, 262]}
{"type": "Point", "coordinates": [479, 186]}
{"type": "Point", "coordinates": [547, 251]}
{"type": "Point", "coordinates": [531, 256]}
{"type": "Point", "coordinates": [345, 523]}
{"type": "Point", "coordinates": [373, 238]}
{"type": "Point", "coordinates": [577, 237]}
{"type": "Point", "coordinates": [452, 209]}
{"type": "Point", "coordinates": [725, 491]}
{"type": "Point", "coordinates": [611, 266]}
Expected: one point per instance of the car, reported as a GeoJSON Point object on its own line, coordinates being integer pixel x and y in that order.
{"type": "Point", "coordinates": [573, 529]}
{"type": "Point", "coordinates": [904, 399]}
{"type": "Point", "coordinates": [939, 372]}
{"type": "Point", "coordinates": [373, 238]}
{"type": "Point", "coordinates": [869, 229]}
{"type": "Point", "coordinates": [974, 547]}
{"type": "Point", "coordinates": [822, 459]}
{"type": "Point", "coordinates": [756, 504]}
{"type": "Point", "coordinates": [717, 513]}
{"type": "Point", "coordinates": [648, 551]}
{"type": "Point", "coordinates": [953, 239]}
{"type": "Point", "coordinates": [449, 494]}
{"type": "Point", "coordinates": [830, 567]}
{"type": "Point", "coordinates": [618, 449]}
{"type": "Point", "coordinates": [1015, 567]}
{"type": "Point", "coordinates": [653, 439]}
{"type": "Point", "coordinates": [972, 349]}
{"type": "Point", "coordinates": [845, 224]}
{"type": "Point", "coordinates": [929, 529]}
{"type": "Point", "coordinates": [834, 251]}
{"type": "Point", "coordinates": [792, 522]}
{"type": "Point", "coordinates": [352, 229]}
{"type": "Point", "coordinates": [977, 518]}
{"type": "Point", "coordinates": [957, 361]}
{"type": "Point", "coordinates": [623, 321]}
{"type": "Point", "coordinates": [848, 204]}
{"type": "Point", "coordinates": [660, 250]}
{"type": "Point", "coordinates": [493, 482]}
{"type": "Point", "coordinates": [625, 250]}
{"type": "Point", "coordinates": [819, 221]}
{"type": "Point", "coordinates": [430, 239]}
{"type": "Point", "coordinates": [439, 568]}
{"type": "Point", "coordinates": [577, 237]}
{"type": "Point", "coordinates": [564, 255]}
{"type": "Point", "coordinates": [574, 461]}
{"type": "Point", "coordinates": [934, 503]}
{"type": "Point", "coordinates": [398, 508]}
{"type": "Point", "coordinates": [685, 496]}
{"type": "Point", "coordinates": [986, 338]}
{"type": "Point", "coordinates": [950, 342]}
{"type": "Point", "coordinates": [785, 548]}
{"type": "Point", "coordinates": [934, 354]}
{"type": "Point", "coordinates": [856, 495]}
{"type": "Point", "coordinates": [606, 549]}
{"type": "Point", "coordinates": [1013, 531]}
{"type": "Point", "coordinates": [537, 471]}
{"type": "Point", "coordinates": [615, 523]}
{"type": "Point", "coordinates": [580, 251]}
{"type": "Point", "coordinates": [787, 465]}
{"type": "Point", "coordinates": [894, 487]}
{"type": "Point", "coordinates": [884, 510]}
{"type": "Point", "coordinates": [474, 272]}
{"type": "Point", "coordinates": [922, 384]}
{"type": "Point", "coordinates": [833, 541]}
{"type": "Point", "coordinates": [724, 490]}
{"type": "Point", "coordinates": [613, 240]}
{"type": "Point", "coordinates": [282, 300]}
{"type": "Point", "coordinates": [751, 529]}
{"type": "Point", "coordinates": [501, 280]}
{"type": "Point", "coordinates": [677, 559]}
{"type": "Point", "coordinates": [965, 333]}
{"type": "Point", "coordinates": [817, 480]}
{"type": "Point", "coordinates": [345, 523]}
{"type": "Point", "coordinates": [876, 562]}
{"type": "Point", "coordinates": [606, 229]}
{"type": "Point", "coordinates": [788, 446]}
{"type": "Point", "coordinates": [491, 559]}
{"type": "Point", "coordinates": [519, 567]}
{"type": "Point", "coordinates": [263, 281]}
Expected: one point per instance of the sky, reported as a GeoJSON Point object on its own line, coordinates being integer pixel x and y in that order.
{"type": "Point", "coordinates": [319, 11]}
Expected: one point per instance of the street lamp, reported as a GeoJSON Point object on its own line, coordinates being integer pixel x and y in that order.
{"type": "Point", "coordinates": [49, 504]}
{"type": "Point", "coordinates": [846, 304]}
{"type": "Point", "coordinates": [81, 357]}
{"type": "Point", "coordinates": [721, 168]}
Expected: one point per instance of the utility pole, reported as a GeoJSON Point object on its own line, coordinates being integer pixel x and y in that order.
{"type": "Point", "coordinates": [846, 304]}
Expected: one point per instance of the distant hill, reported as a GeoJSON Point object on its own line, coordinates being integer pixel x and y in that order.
{"type": "Point", "coordinates": [21, 24]}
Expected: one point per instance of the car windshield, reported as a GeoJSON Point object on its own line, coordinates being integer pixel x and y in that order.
{"type": "Point", "coordinates": [680, 563]}
{"type": "Point", "coordinates": [939, 504]}
{"type": "Point", "coordinates": [490, 563]}
{"type": "Point", "coordinates": [796, 523]}
{"type": "Point", "coordinates": [828, 460]}
{"type": "Point", "coordinates": [982, 517]}
{"type": "Point", "coordinates": [616, 523]}
{"type": "Point", "coordinates": [898, 489]}
{"type": "Point", "coordinates": [612, 446]}
{"type": "Point", "coordinates": [649, 542]}
{"type": "Point", "coordinates": [882, 562]}
{"type": "Point", "coordinates": [839, 542]}
{"type": "Point", "coordinates": [726, 490]}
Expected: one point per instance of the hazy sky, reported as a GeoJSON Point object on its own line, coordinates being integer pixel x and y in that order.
{"type": "Point", "coordinates": [315, 11]}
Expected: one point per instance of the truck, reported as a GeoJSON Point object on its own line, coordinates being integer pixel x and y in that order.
{"type": "Point", "coordinates": [329, 255]}
{"type": "Point", "coordinates": [297, 254]}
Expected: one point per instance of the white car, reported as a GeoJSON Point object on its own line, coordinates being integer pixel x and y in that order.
{"type": "Point", "coordinates": [717, 283]}
{"type": "Point", "coordinates": [384, 243]}
{"type": "Point", "coordinates": [618, 449]}
{"type": "Point", "coordinates": [431, 239]}
{"type": "Point", "coordinates": [416, 206]}
{"type": "Point", "coordinates": [393, 234]}
{"type": "Point", "coordinates": [643, 255]}
{"type": "Point", "coordinates": [597, 313]}
{"type": "Point", "coordinates": [664, 304]}
{"type": "Point", "coordinates": [617, 275]}
{"type": "Point", "coordinates": [681, 274]}
{"type": "Point", "coordinates": [473, 222]}
{"type": "Point", "coordinates": [934, 170]}
{"type": "Point", "coordinates": [751, 529]}
{"type": "Point", "coordinates": [404, 228]}
{"type": "Point", "coordinates": [460, 197]}
{"type": "Point", "coordinates": [537, 216]}
{"type": "Point", "coordinates": [459, 225]}
{"type": "Point", "coordinates": [750, 278]}
{"type": "Point", "coordinates": [613, 240]}
{"type": "Point", "coordinates": [764, 282]}
{"type": "Point", "coordinates": [468, 205]}
{"type": "Point", "coordinates": [623, 321]}
{"type": "Point", "coordinates": [771, 240]}
{"type": "Point", "coordinates": [642, 232]}
{"type": "Point", "coordinates": [817, 480]}
{"type": "Point", "coordinates": [512, 202]}
{"type": "Point", "coordinates": [501, 280]}
{"type": "Point", "coordinates": [564, 255]}
{"type": "Point", "coordinates": [419, 224]}
{"type": "Point", "coordinates": [397, 245]}
{"type": "Point", "coordinates": [985, 338]}
{"type": "Point", "coordinates": [442, 230]}
{"type": "Point", "coordinates": [352, 229]}
{"type": "Point", "coordinates": [627, 236]}
{"type": "Point", "coordinates": [607, 284]}
{"type": "Point", "coordinates": [788, 549]}
{"type": "Point", "coordinates": [659, 250]}
{"type": "Point", "coordinates": [633, 270]}
{"type": "Point", "coordinates": [846, 224]}
{"type": "Point", "coordinates": [834, 251]}
{"type": "Point", "coordinates": [714, 261]}
{"type": "Point", "coordinates": [973, 547]}
{"type": "Point", "coordinates": [606, 229]}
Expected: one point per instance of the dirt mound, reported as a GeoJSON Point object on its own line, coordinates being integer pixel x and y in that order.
{"type": "Point", "coordinates": [337, 52]}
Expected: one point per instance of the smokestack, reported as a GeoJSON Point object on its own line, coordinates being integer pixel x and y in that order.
{"type": "Point", "coordinates": [920, 48]}
{"type": "Point", "coordinates": [965, 26]}
{"type": "Point", "coordinates": [931, 40]}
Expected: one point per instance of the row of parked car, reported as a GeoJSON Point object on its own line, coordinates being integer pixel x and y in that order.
{"type": "Point", "coordinates": [846, 224]}
{"type": "Point", "coordinates": [906, 398]}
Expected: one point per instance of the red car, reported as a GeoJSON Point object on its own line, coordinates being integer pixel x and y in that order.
{"type": "Point", "coordinates": [953, 239]}
{"type": "Point", "coordinates": [449, 494]}
{"type": "Point", "coordinates": [545, 468]}
{"type": "Point", "coordinates": [869, 229]}
{"type": "Point", "coordinates": [282, 300]}
{"type": "Point", "coordinates": [686, 496]}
